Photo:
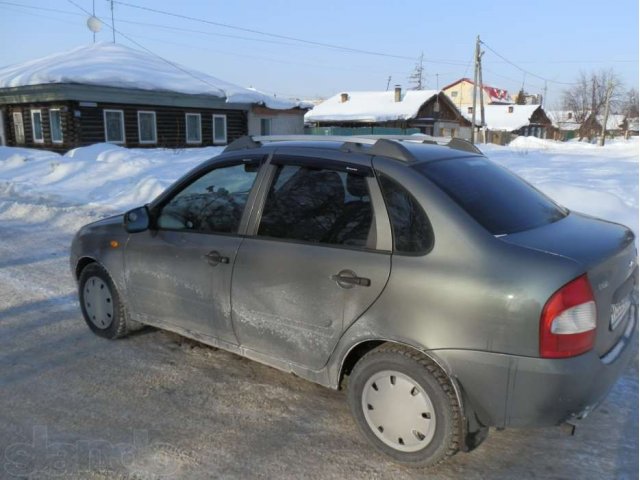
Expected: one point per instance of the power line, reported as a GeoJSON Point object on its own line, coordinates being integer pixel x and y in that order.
{"type": "Point", "coordinates": [174, 65]}
{"type": "Point", "coordinates": [259, 32]}
{"type": "Point", "coordinates": [527, 72]}
{"type": "Point", "coordinates": [284, 37]}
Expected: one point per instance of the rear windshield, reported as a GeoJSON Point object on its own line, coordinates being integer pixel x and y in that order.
{"type": "Point", "coordinates": [499, 200]}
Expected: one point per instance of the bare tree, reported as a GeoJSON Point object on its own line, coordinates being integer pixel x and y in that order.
{"type": "Point", "coordinates": [587, 99]}
{"type": "Point", "coordinates": [629, 107]}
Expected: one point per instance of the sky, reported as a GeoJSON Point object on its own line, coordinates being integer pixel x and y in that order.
{"type": "Point", "coordinates": [538, 41]}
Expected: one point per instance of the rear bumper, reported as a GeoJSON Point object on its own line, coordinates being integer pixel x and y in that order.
{"type": "Point", "coordinates": [512, 391]}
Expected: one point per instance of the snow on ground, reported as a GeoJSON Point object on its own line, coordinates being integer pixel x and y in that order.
{"type": "Point", "coordinates": [155, 405]}
{"type": "Point", "coordinates": [587, 178]}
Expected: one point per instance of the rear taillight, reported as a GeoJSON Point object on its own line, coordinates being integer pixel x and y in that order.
{"type": "Point", "coordinates": [568, 321]}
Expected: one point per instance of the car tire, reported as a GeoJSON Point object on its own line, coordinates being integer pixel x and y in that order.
{"type": "Point", "coordinates": [405, 406]}
{"type": "Point", "coordinates": [102, 307]}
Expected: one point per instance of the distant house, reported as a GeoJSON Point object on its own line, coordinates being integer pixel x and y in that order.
{"type": "Point", "coordinates": [632, 127]}
{"type": "Point", "coordinates": [505, 122]}
{"type": "Point", "coordinates": [564, 125]}
{"type": "Point", "coordinates": [461, 94]}
{"type": "Point", "coordinates": [388, 112]}
{"type": "Point", "coordinates": [111, 93]}
{"type": "Point", "coordinates": [592, 126]}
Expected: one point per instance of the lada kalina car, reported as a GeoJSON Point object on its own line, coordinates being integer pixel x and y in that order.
{"type": "Point", "coordinates": [442, 291]}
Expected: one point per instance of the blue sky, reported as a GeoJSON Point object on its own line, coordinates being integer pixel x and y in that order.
{"type": "Point", "coordinates": [551, 39]}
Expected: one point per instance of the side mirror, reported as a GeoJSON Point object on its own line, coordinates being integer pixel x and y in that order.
{"type": "Point", "coordinates": [137, 220]}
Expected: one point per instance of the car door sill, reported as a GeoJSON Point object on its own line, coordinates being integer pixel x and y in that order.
{"type": "Point", "coordinates": [317, 376]}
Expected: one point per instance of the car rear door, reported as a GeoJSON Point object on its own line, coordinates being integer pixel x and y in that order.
{"type": "Point", "coordinates": [179, 272]}
{"type": "Point", "coordinates": [318, 256]}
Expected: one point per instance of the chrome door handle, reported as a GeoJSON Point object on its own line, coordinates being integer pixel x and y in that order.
{"type": "Point", "coordinates": [214, 258]}
{"type": "Point", "coordinates": [348, 279]}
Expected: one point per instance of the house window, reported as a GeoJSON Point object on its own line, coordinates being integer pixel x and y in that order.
{"type": "Point", "coordinates": [55, 122]}
{"type": "Point", "coordinates": [220, 129]}
{"type": "Point", "coordinates": [114, 126]}
{"type": "Point", "coordinates": [469, 109]}
{"type": "Point", "coordinates": [18, 127]}
{"type": "Point", "coordinates": [194, 128]}
{"type": "Point", "coordinates": [510, 109]}
{"type": "Point", "coordinates": [454, 94]}
{"type": "Point", "coordinates": [147, 127]}
{"type": "Point", "coordinates": [265, 126]}
{"type": "Point", "coordinates": [36, 125]}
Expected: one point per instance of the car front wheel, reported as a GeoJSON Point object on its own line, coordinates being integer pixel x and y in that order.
{"type": "Point", "coordinates": [101, 305]}
{"type": "Point", "coordinates": [405, 406]}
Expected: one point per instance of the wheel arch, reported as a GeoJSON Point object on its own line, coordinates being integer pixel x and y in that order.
{"type": "Point", "coordinates": [82, 263]}
{"type": "Point", "coordinates": [472, 432]}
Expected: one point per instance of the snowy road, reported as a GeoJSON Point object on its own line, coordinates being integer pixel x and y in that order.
{"type": "Point", "coordinates": [157, 406]}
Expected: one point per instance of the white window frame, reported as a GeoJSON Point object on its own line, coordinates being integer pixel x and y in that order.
{"type": "Point", "coordinates": [33, 126]}
{"type": "Point", "coordinates": [51, 125]}
{"type": "Point", "coordinates": [270, 120]}
{"type": "Point", "coordinates": [155, 128]}
{"type": "Point", "coordinates": [14, 116]}
{"type": "Point", "coordinates": [219, 141]}
{"type": "Point", "coordinates": [186, 129]}
{"type": "Point", "coordinates": [104, 119]}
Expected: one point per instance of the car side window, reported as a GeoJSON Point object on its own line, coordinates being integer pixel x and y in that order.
{"type": "Point", "coordinates": [318, 205]}
{"type": "Point", "coordinates": [412, 233]}
{"type": "Point", "coordinates": [211, 204]}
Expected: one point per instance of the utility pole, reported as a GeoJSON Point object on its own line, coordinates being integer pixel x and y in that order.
{"type": "Point", "coordinates": [483, 124]}
{"type": "Point", "coordinates": [388, 82]}
{"type": "Point", "coordinates": [544, 96]}
{"type": "Point", "coordinates": [113, 23]}
{"type": "Point", "coordinates": [606, 112]}
{"type": "Point", "coordinates": [476, 56]}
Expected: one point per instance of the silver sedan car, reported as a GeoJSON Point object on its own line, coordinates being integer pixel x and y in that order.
{"type": "Point", "coordinates": [445, 293]}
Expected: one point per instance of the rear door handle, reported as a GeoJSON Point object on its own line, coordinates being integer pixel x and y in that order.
{"type": "Point", "coordinates": [348, 279]}
{"type": "Point", "coordinates": [214, 258]}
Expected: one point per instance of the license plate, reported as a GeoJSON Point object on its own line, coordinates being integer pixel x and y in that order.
{"type": "Point", "coordinates": [619, 312]}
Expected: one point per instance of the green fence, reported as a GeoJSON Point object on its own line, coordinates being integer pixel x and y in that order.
{"type": "Point", "coordinates": [360, 131]}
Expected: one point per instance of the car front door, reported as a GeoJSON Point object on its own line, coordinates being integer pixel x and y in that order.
{"type": "Point", "coordinates": [319, 256]}
{"type": "Point", "coordinates": [179, 272]}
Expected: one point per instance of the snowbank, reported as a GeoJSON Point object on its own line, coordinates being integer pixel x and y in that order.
{"type": "Point", "coordinates": [101, 175]}
{"type": "Point", "coordinates": [598, 181]}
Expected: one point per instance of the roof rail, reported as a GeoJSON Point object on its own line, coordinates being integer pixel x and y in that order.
{"type": "Point", "coordinates": [384, 145]}
{"type": "Point", "coordinates": [462, 144]}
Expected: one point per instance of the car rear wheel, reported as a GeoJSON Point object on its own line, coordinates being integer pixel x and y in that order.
{"type": "Point", "coordinates": [100, 302]}
{"type": "Point", "coordinates": [405, 406]}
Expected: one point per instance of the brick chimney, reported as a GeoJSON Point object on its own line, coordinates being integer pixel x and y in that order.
{"type": "Point", "coordinates": [344, 97]}
{"type": "Point", "coordinates": [397, 93]}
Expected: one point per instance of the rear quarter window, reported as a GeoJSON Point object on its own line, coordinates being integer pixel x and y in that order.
{"type": "Point", "coordinates": [496, 198]}
{"type": "Point", "coordinates": [412, 233]}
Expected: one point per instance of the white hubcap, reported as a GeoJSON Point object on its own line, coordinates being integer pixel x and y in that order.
{"type": "Point", "coordinates": [398, 411]}
{"type": "Point", "coordinates": [98, 302]}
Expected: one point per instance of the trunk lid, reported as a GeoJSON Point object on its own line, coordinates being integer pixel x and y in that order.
{"type": "Point", "coordinates": [608, 255]}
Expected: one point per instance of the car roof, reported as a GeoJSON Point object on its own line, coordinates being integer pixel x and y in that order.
{"type": "Point", "coordinates": [409, 149]}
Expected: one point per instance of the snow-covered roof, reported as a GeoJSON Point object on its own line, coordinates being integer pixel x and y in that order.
{"type": "Point", "coordinates": [498, 117]}
{"type": "Point", "coordinates": [614, 121]}
{"type": "Point", "coordinates": [563, 119]}
{"type": "Point", "coordinates": [370, 107]}
{"type": "Point", "coordinates": [114, 65]}
{"type": "Point", "coordinates": [633, 124]}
